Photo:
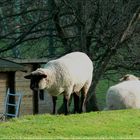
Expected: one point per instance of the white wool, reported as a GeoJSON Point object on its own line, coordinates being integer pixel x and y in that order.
{"type": "Point", "coordinates": [124, 95]}
{"type": "Point", "coordinates": [67, 74]}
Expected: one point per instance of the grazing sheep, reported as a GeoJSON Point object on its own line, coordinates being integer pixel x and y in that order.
{"type": "Point", "coordinates": [69, 74]}
{"type": "Point", "coordinates": [129, 77]}
{"type": "Point", "coordinates": [123, 95]}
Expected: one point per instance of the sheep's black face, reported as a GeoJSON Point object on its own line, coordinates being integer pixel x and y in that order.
{"type": "Point", "coordinates": [34, 84]}
{"type": "Point", "coordinates": [35, 80]}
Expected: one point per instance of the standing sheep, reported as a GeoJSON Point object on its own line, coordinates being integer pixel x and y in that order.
{"type": "Point", "coordinates": [123, 95]}
{"type": "Point", "coordinates": [69, 74]}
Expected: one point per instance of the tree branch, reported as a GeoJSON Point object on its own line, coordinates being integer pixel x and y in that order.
{"type": "Point", "coordinates": [129, 30]}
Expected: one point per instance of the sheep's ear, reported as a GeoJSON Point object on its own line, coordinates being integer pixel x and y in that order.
{"type": "Point", "coordinates": [123, 78]}
{"type": "Point", "coordinates": [28, 76]}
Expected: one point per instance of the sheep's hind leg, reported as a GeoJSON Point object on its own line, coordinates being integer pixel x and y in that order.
{"type": "Point", "coordinates": [83, 99]}
{"type": "Point", "coordinates": [76, 103]}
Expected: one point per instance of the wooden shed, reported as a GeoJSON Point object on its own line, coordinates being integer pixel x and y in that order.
{"type": "Point", "coordinates": [7, 79]}
{"type": "Point", "coordinates": [12, 74]}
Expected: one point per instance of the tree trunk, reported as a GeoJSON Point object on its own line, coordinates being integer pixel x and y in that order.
{"type": "Point", "coordinates": [98, 72]}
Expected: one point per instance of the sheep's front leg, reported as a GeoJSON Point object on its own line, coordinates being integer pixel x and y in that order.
{"type": "Point", "coordinates": [54, 98]}
{"type": "Point", "coordinates": [66, 103]}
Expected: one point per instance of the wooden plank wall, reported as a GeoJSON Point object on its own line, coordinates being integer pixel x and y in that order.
{"type": "Point", "coordinates": [3, 88]}
{"type": "Point", "coordinates": [45, 106]}
{"type": "Point", "coordinates": [22, 86]}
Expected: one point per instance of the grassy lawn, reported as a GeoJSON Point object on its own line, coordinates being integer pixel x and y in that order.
{"type": "Point", "coordinates": [104, 124]}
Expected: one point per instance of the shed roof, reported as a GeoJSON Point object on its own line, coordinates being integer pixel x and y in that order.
{"type": "Point", "coordinates": [29, 61]}
{"type": "Point", "coordinates": [7, 66]}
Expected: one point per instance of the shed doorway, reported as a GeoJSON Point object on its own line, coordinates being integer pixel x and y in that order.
{"type": "Point", "coordinates": [11, 87]}
{"type": "Point", "coordinates": [7, 81]}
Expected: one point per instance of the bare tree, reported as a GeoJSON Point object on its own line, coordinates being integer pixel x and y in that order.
{"type": "Point", "coordinates": [103, 28]}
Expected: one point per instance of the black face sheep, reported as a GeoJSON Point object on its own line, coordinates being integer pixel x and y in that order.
{"type": "Point", "coordinates": [69, 74]}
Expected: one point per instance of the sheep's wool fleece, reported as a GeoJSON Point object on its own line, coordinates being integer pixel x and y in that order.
{"type": "Point", "coordinates": [68, 73]}
{"type": "Point", "coordinates": [124, 95]}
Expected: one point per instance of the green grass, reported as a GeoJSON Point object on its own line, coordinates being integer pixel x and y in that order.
{"type": "Point", "coordinates": [109, 124]}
